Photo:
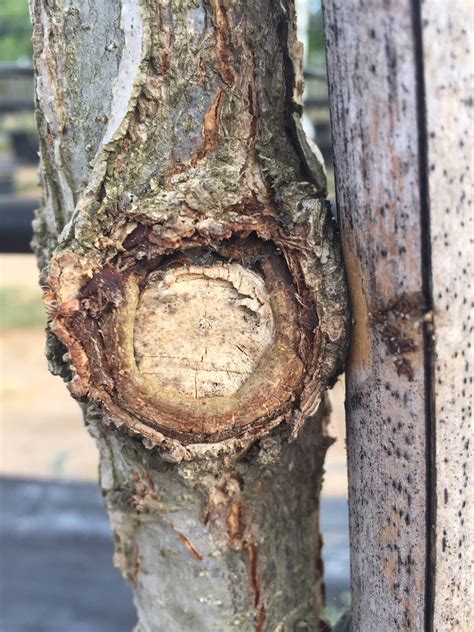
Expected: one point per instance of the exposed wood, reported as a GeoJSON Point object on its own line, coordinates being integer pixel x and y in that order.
{"type": "Point", "coordinates": [202, 330]}
{"type": "Point", "coordinates": [177, 175]}
{"type": "Point", "coordinates": [379, 71]}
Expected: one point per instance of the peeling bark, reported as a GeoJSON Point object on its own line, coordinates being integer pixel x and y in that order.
{"type": "Point", "coordinates": [172, 152]}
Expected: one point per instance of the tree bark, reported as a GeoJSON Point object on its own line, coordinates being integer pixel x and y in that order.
{"type": "Point", "coordinates": [196, 297]}
{"type": "Point", "coordinates": [401, 109]}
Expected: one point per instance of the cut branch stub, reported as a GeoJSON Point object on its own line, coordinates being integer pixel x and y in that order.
{"type": "Point", "coordinates": [201, 330]}
{"type": "Point", "coordinates": [203, 198]}
{"type": "Point", "coordinates": [210, 340]}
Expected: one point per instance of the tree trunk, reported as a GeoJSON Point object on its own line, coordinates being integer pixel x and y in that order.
{"type": "Point", "coordinates": [401, 109]}
{"type": "Point", "coordinates": [196, 297]}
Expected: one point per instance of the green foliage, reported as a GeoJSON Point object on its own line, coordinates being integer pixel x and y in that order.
{"type": "Point", "coordinates": [20, 308]}
{"type": "Point", "coordinates": [59, 462]}
{"type": "Point", "coordinates": [316, 53]}
{"type": "Point", "coordinates": [15, 30]}
{"type": "Point", "coordinates": [334, 611]}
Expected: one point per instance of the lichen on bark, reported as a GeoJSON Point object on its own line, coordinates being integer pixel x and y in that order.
{"type": "Point", "coordinates": [195, 158]}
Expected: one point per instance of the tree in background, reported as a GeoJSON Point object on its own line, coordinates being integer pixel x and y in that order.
{"type": "Point", "coordinates": [15, 31]}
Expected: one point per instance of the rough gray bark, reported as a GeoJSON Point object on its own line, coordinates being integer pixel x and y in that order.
{"type": "Point", "coordinates": [172, 152]}
{"type": "Point", "coordinates": [219, 544]}
{"type": "Point", "coordinates": [401, 102]}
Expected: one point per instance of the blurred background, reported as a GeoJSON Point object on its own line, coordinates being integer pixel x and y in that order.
{"type": "Point", "coordinates": [55, 544]}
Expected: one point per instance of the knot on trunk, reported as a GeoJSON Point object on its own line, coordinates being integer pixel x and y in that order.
{"type": "Point", "coordinates": [201, 337]}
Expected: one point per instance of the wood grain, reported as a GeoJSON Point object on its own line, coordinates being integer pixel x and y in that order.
{"type": "Point", "coordinates": [448, 72]}
{"type": "Point", "coordinates": [400, 172]}
{"type": "Point", "coordinates": [201, 330]}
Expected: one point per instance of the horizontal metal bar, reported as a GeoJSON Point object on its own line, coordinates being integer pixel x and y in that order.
{"type": "Point", "coordinates": [316, 75]}
{"type": "Point", "coordinates": [16, 216]}
{"type": "Point", "coordinates": [13, 70]}
{"type": "Point", "coordinates": [13, 105]}
{"type": "Point", "coordinates": [316, 103]}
